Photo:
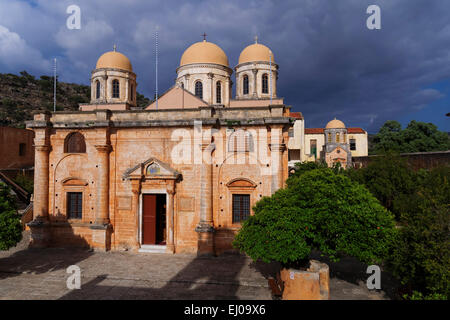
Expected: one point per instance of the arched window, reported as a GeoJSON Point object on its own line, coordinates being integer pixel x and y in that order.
{"type": "Point", "coordinates": [131, 93]}
{"type": "Point", "coordinates": [329, 137]}
{"type": "Point", "coordinates": [240, 141]}
{"type": "Point", "coordinates": [337, 137]}
{"type": "Point", "coordinates": [199, 89]}
{"type": "Point", "coordinates": [115, 87]}
{"type": "Point", "coordinates": [97, 90]}
{"type": "Point", "coordinates": [74, 143]}
{"type": "Point", "coordinates": [265, 83]}
{"type": "Point", "coordinates": [218, 92]}
{"type": "Point", "coordinates": [245, 85]}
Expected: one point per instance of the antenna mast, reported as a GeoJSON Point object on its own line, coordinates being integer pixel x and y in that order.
{"type": "Point", "coordinates": [156, 69]}
{"type": "Point", "coordinates": [54, 86]}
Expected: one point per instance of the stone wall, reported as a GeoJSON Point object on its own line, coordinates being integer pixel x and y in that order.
{"type": "Point", "coordinates": [10, 140]}
{"type": "Point", "coordinates": [419, 160]}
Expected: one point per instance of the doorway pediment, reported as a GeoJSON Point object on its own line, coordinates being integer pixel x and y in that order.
{"type": "Point", "coordinates": [151, 169]}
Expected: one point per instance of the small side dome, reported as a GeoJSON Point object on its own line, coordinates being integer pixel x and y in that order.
{"type": "Point", "coordinates": [256, 52]}
{"type": "Point", "coordinates": [204, 52]}
{"type": "Point", "coordinates": [335, 124]}
{"type": "Point", "coordinates": [114, 59]}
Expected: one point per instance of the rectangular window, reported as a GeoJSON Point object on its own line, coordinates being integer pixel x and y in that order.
{"type": "Point", "coordinates": [74, 205]}
{"type": "Point", "coordinates": [294, 155]}
{"type": "Point", "coordinates": [22, 149]}
{"type": "Point", "coordinates": [291, 132]}
{"type": "Point", "coordinates": [241, 207]}
{"type": "Point", "coordinates": [352, 144]}
{"type": "Point", "coordinates": [313, 147]}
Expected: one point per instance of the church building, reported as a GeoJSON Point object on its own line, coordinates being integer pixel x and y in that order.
{"type": "Point", "coordinates": [180, 175]}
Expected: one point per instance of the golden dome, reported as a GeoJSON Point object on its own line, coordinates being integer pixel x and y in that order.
{"type": "Point", "coordinates": [204, 52]}
{"type": "Point", "coordinates": [114, 59]}
{"type": "Point", "coordinates": [335, 124]}
{"type": "Point", "coordinates": [256, 52]}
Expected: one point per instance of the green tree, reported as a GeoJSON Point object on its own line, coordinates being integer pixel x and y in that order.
{"type": "Point", "coordinates": [416, 137]}
{"type": "Point", "coordinates": [10, 225]}
{"type": "Point", "coordinates": [386, 177]}
{"type": "Point", "coordinates": [421, 255]}
{"type": "Point", "coordinates": [318, 210]}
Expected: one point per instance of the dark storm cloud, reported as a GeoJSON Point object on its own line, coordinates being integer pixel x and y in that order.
{"type": "Point", "coordinates": [331, 65]}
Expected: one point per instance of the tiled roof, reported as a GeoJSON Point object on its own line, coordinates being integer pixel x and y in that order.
{"type": "Point", "coordinates": [321, 130]}
{"type": "Point", "coordinates": [297, 115]}
{"type": "Point", "coordinates": [314, 130]}
{"type": "Point", "coordinates": [355, 130]}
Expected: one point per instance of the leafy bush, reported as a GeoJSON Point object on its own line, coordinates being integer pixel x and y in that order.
{"type": "Point", "coordinates": [387, 177]}
{"type": "Point", "coordinates": [10, 225]}
{"type": "Point", "coordinates": [421, 256]}
{"type": "Point", "coordinates": [25, 182]}
{"type": "Point", "coordinates": [318, 210]}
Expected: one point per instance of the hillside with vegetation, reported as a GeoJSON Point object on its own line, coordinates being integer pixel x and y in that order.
{"type": "Point", "coordinates": [22, 95]}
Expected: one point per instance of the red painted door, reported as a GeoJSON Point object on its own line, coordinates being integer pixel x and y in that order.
{"type": "Point", "coordinates": [149, 219]}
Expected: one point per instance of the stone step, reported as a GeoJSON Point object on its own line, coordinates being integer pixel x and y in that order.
{"type": "Point", "coordinates": [152, 248]}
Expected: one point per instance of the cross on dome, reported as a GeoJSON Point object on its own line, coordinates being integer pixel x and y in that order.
{"type": "Point", "coordinates": [204, 36]}
{"type": "Point", "coordinates": [256, 39]}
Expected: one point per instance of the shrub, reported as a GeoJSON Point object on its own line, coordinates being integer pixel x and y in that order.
{"type": "Point", "coordinates": [387, 177]}
{"type": "Point", "coordinates": [421, 256]}
{"type": "Point", "coordinates": [318, 210]}
{"type": "Point", "coordinates": [10, 225]}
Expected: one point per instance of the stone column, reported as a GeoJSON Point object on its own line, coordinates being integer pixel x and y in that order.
{"type": "Point", "coordinates": [205, 228]}
{"type": "Point", "coordinates": [255, 81]}
{"type": "Point", "coordinates": [211, 97]}
{"type": "Point", "coordinates": [186, 83]}
{"type": "Point", "coordinates": [170, 218]}
{"type": "Point", "coordinates": [227, 93]}
{"type": "Point", "coordinates": [105, 88]}
{"type": "Point", "coordinates": [102, 214]}
{"type": "Point", "coordinates": [41, 182]}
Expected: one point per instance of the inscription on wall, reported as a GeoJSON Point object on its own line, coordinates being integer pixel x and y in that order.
{"type": "Point", "coordinates": [186, 203]}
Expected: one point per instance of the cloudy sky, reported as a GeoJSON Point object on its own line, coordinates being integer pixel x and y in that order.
{"type": "Point", "coordinates": [331, 64]}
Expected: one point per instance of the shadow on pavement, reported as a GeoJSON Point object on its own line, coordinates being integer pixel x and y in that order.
{"type": "Point", "coordinates": [38, 260]}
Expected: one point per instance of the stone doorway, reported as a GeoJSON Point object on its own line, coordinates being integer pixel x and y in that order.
{"type": "Point", "coordinates": [154, 219]}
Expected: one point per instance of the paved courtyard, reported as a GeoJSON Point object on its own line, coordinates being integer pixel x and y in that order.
{"type": "Point", "coordinates": [41, 274]}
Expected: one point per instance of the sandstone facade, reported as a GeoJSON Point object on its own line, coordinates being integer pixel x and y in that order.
{"type": "Point", "coordinates": [129, 154]}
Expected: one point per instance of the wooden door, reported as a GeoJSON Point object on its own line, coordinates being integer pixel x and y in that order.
{"type": "Point", "coordinates": [149, 219]}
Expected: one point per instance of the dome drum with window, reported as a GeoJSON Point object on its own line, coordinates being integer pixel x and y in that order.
{"type": "Point", "coordinates": [256, 73]}
{"type": "Point", "coordinates": [113, 80]}
{"type": "Point", "coordinates": [204, 71]}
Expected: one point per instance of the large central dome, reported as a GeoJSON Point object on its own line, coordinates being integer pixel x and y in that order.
{"type": "Point", "coordinates": [204, 52]}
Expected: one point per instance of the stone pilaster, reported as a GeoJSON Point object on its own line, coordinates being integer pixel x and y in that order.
{"type": "Point", "coordinates": [205, 228]}
{"type": "Point", "coordinates": [136, 190]}
{"type": "Point", "coordinates": [40, 226]}
{"type": "Point", "coordinates": [170, 222]}
{"type": "Point", "coordinates": [102, 213]}
{"type": "Point", "coordinates": [41, 182]}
